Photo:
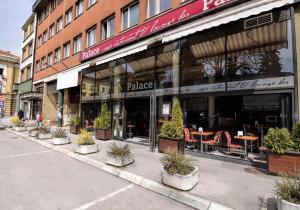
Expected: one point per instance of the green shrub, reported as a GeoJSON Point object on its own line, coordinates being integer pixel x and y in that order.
{"type": "Point", "coordinates": [118, 150]}
{"type": "Point", "coordinates": [289, 188]}
{"type": "Point", "coordinates": [85, 138]}
{"type": "Point", "coordinates": [173, 128]}
{"type": "Point", "coordinates": [278, 140]}
{"type": "Point", "coordinates": [104, 119]}
{"type": "Point", "coordinates": [177, 163]}
{"type": "Point", "coordinates": [75, 120]}
{"type": "Point", "coordinates": [59, 133]}
{"type": "Point", "coordinates": [296, 136]}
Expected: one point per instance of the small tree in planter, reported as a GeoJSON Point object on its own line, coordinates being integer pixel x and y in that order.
{"type": "Point", "coordinates": [103, 123]}
{"type": "Point", "coordinates": [60, 137]}
{"type": "Point", "coordinates": [86, 144]}
{"type": "Point", "coordinates": [281, 158]}
{"type": "Point", "coordinates": [179, 171]}
{"type": "Point", "coordinates": [119, 155]}
{"type": "Point", "coordinates": [75, 125]}
{"type": "Point", "coordinates": [171, 134]}
{"type": "Point", "coordinates": [18, 124]}
{"type": "Point", "coordinates": [44, 133]}
{"type": "Point", "coordinates": [288, 192]}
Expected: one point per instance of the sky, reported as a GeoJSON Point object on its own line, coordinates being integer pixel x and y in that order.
{"type": "Point", "coordinates": [13, 14]}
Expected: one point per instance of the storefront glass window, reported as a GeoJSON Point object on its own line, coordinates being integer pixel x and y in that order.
{"type": "Point", "coordinates": [119, 78]}
{"type": "Point", "coordinates": [260, 52]}
{"type": "Point", "coordinates": [88, 86]}
{"type": "Point", "coordinates": [103, 78]}
{"type": "Point", "coordinates": [203, 61]}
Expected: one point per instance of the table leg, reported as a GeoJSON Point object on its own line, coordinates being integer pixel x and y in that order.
{"type": "Point", "coordinates": [201, 143]}
{"type": "Point", "coordinates": [246, 153]}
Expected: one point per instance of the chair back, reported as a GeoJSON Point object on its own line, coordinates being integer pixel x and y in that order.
{"type": "Point", "coordinates": [228, 138]}
{"type": "Point", "coordinates": [217, 137]}
{"type": "Point", "coordinates": [187, 135]}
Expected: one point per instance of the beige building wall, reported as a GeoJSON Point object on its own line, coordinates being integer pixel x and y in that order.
{"type": "Point", "coordinates": [297, 34]}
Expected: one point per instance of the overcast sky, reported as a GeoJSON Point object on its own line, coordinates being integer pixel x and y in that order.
{"type": "Point", "coordinates": [13, 14]}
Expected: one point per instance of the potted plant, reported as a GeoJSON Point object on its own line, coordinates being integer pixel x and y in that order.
{"type": "Point", "coordinates": [178, 170]}
{"type": "Point", "coordinates": [281, 156]}
{"type": "Point", "coordinates": [288, 192]}
{"type": "Point", "coordinates": [60, 137]}
{"type": "Point", "coordinates": [119, 155]}
{"type": "Point", "coordinates": [103, 123]}
{"type": "Point", "coordinates": [86, 144]}
{"type": "Point", "coordinates": [75, 125]}
{"type": "Point", "coordinates": [34, 132]}
{"type": "Point", "coordinates": [44, 133]}
{"type": "Point", "coordinates": [18, 124]}
{"type": "Point", "coordinates": [171, 134]}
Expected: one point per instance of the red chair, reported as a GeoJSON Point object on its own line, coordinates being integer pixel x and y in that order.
{"type": "Point", "coordinates": [188, 138]}
{"type": "Point", "coordinates": [262, 149]}
{"type": "Point", "coordinates": [232, 147]}
{"type": "Point", "coordinates": [214, 143]}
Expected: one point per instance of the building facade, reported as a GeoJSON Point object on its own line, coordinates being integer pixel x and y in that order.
{"type": "Point", "coordinates": [232, 64]}
{"type": "Point", "coordinates": [27, 100]}
{"type": "Point", "coordinates": [9, 80]}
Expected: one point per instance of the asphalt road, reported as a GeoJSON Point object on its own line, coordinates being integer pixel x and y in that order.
{"type": "Point", "coordinates": [33, 177]}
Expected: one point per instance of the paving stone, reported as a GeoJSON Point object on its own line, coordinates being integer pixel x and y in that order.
{"type": "Point", "coordinates": [191, 200]}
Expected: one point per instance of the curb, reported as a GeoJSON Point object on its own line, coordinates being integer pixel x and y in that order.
{"type": "Point", "coordinates": [186, 198]}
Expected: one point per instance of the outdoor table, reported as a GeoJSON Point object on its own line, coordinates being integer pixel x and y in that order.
{"type": "Point", "coordinates": [201, 134]}
{"type": "Point", "coordinates": [246, 139]}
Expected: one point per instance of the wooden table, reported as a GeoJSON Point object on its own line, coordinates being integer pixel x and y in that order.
{"type": "Point", "coordinates": [246, 139]}
{"type": "Point", "coordinates": [201, 134]}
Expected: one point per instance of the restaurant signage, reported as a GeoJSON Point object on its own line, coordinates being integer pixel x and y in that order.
{"type": "Point", "coordinates": [155, 25]}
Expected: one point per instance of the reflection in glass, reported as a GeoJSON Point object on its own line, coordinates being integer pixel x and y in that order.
{"type": "Point", "coordinates": [103, 76]}
{"type": "Point", "coordinates": [88, 86]}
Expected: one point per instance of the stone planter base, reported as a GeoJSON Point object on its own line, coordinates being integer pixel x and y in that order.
{"type": "Point", "coordinates": [20, 129]}
{"type": "Point", "coordinates": [60, 141]}
{"type": "Point", "coordinates": [33, 133]}
{"type": "Point", "coordinates": [285, 205]}
{"type": "Point", "coordinates": [103, 134]}
{"type": "Point", "coordinates": [180, 182]}
{"type": "Point", "coordinates": [43, 136]}
{"type": "Point", "coordinates": [87, 149]}
{"type": "Point", "coordinates": [116, 161]}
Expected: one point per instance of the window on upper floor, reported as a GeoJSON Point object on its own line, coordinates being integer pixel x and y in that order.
{"type": "Point", "coordinates": [67, 50]}
{"type": "Point", "coordinates": [40, 41]}
{"type": "Point", "coordinates": [45, 36]}
{"type": "Point", "coordinates": [91, 37]}
{"type": "Point", "coordinates": [91, 2]}
{"type": "Point", "coordinates": [30, 49]}
{"type": "Point", "coordinates": [50, 59]}
{"type": "Point", "coordinates": [157, 6]}
{"type": "Point", "coordinates": [108, 27]}
{"type": "Point", "coordinates": [52, 30]}
{"type": "Point", "coordinates": [28, 72]}
{"type": "Point", "coordinates": [24, 54]}
{"type": "Point", "coordinates": [68, 16]}
{"type": "Point", "coordinates": [57, 55]}
{"type": "Point", "coordinates": [79, 8]}
{"type": "Point", "coordinates": [59, 24]}
{"type": "Point", "coordinates": [130, 15]}
{"type": "Point", "coordinates": [43, 62]}
{"type": "Point", "coordinates": [77, 43]}
{"type": "Point", "coordinates": [37, 66]}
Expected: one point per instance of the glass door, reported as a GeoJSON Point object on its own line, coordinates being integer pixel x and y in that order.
{"type": "Point", "coordinates": [118, 120]}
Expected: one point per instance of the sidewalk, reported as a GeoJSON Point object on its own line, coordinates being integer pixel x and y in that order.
{"type": "Point", "coordinates": [233, 185]}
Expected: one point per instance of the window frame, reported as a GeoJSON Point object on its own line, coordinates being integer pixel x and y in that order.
{"type": "Point", "coordinates": [87, 36]}
{"type": "Point", "coordinates": [75, 43]}
{"type": "Point", "coordinates": [106, 20]}
{"type": "Point", "coordinates": [67, 46]}
{"type": "Point", "coordinates": [79, 2]}
{"type": "Point", "coordinates": [51, 60]}
{"type": "Point", "coordinates": [128, 8]}
{"type": "Point", "coordinates": [59, 20]}
{"type": "Point", "coordinates": [57, 59]}
{"type": "Point", "coordinates": [68, 16]}
{"type": "Point", "coordinates": [157, 8]}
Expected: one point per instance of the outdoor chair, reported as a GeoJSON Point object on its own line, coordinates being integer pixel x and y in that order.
{"type": "Point", "coordinates": [213, 143]}
{"type": "Point", "coordinates": [233, 148]}
{"type": "Point", "coordinates": [188, 138]}
{"type": "Point", "coordinates": [262, 150]}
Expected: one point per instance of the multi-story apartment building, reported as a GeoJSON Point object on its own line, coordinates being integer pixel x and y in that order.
{"type": "Point", "coordinates": [30, 102]}
{"type": "Point", "coordinates": [9, 80]}
{"type": "Point", "coordinates": [231, 63]}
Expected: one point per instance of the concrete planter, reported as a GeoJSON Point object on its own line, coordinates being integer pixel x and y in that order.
{"type": "Point", "coordinates": [20, 129]}
{"type": "Point", "coordinates": [170, 143]}
{"type": "Point", "coordinates": [180, 182]}
{"type": "Point", "coordinates": [87, 149]}
{"type": "Point", "coordinates": [117, 161]}
{"type": "Point", "coordinates": [60, 141]}
{"type": "Point", "coordinates": [285, 205]}
{"type": "Point", "coordinates": [43, 136]}
{"type": "Point", "coordinates": [33, 133]}
{"type": "Point", "coordinates": [283, 163]}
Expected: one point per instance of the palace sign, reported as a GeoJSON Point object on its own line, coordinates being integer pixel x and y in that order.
{"type": "Point", "coordinates": [139, 86]}
{"type": "Point", "coordinates": [155, 25]}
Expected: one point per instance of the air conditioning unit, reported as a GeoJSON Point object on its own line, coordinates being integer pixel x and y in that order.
{"type": "Point", "coordinates": [258, 21]}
